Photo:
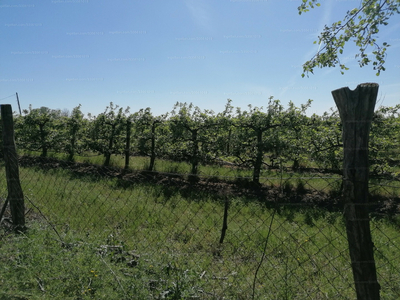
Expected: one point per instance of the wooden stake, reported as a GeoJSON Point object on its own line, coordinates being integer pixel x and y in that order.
{"type": "Point", "coordinates": [19, 106]}
{"type": "Point", "coordinates": [15, 194]}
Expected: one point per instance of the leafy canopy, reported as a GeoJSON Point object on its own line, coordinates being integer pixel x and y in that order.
{"type": "Point", "coordinates": [360, 25]}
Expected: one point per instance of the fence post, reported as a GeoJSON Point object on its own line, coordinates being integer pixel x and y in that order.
{"type": "Point", "coordinates": [356, 110]}
{"type": "Point", "coordinates": [15, 195]}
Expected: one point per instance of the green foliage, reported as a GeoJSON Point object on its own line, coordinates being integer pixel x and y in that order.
{"type": "Point", "coordinates": [256, 139]}
{"type": "Point", "coordinates": [273, 133]}
{"type": "Point", "coordinates": [151, 134]}
{"type": "Point", "coordinates": [42, 129]}
{"type": "Point", "coordinates": [295, 135]}
{"type": "Point", "coordinates": [76, 126]}
{"type": "Point", "coordinates": [39, 266]}
{"type": "Point", "coordinates": [360, 25]}
{"type": "Point", "coordinates": [384, 151]}
{"type": "Point", "coordinates": [325, 140]}
{"type": "Point", "coordinates": [190, 130]}
{"type": "Point", "coordinates": [257, 133]}
{"type": "Point", "coordinates": [106, 132]}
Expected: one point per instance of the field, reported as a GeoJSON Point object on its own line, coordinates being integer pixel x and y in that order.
{"type": "Point", "coordinates": [151, 236]}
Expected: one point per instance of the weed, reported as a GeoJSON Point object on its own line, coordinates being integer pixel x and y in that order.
{"type": "Point", "coordinates": [148, 241]}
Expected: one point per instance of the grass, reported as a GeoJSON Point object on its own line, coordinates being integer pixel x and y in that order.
{"type": "Point", "coordinates": [323, 183]}
{"type": "Point", "coordinates": [90, 238]}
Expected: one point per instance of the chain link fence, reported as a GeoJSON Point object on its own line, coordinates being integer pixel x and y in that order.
{"type": "Point", "coordinates": [105, 233]}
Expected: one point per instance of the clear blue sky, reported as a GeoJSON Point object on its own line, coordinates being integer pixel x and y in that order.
{"type": "Point", "coordinates": [61, 53]}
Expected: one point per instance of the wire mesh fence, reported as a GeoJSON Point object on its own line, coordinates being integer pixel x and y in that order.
{"type": "Point", "coordinates": [97, 232]}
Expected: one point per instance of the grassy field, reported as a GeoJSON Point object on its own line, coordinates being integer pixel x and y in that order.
{"type": "Point", "coordinates": [267, 177]}
{"type": "Point", "coordinates": [92, 238]}
{"type": "Point", "coordinates": [322, 182]}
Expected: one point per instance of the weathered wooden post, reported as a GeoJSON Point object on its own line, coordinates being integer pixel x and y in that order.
{"type": "Point", "coordinates": [356, 110]}
{"type": "Point", "coordinates": [15, 195]}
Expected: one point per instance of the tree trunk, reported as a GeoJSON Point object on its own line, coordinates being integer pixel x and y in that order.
{"type": "Point", "coordinates": [15, 195]}
{"type": "Point", "coordinates": [43, 140]}
{"type": "Point", "coordinates": [72, 145]}
{"type": "Point", "coordinates": [108, 152]}
{"type": "Point", "coordinates": [193, 176]}
{"type": "Point", "coordinates": [128, 143]}
{"type": "Point", "coordinates": [228, 144]}
{"type": "Point", "coordinates": [259, 158]}
{"type": "Point", "coordinates": [195, 153]}
{"type": "Point", "coordinates": [356, 110]}
{"type": "Point", "coordinates": [153, 146]}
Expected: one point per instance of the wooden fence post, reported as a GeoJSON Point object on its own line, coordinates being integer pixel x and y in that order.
{"type": "Point", "coordinates": [15, 195]}
{"type": "Point", "coordinates": [356, 110]}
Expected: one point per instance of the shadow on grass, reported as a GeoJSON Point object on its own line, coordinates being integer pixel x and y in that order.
{"type": "Point", "coordinates": [287, 196]}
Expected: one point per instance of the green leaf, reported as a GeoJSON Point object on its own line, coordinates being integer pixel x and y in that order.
{"type": "Point", "coordinates": [361, 26]}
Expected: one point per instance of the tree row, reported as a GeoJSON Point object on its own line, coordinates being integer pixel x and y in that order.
{"type": "Point", "coordinates": [271, 137]}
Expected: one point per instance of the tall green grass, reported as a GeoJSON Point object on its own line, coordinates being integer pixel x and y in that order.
{"type": "Point", "coordinates": [90, 238]}
{"type": "Point", "coordinates": [275, 177]}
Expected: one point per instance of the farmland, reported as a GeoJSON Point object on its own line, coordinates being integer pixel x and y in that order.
{"type": "Point", "coordinates": [269, 137]}
{"type": "Point", "coordinates": [100, 240]}
{"type": "Point", "coordinates": [147, 221]}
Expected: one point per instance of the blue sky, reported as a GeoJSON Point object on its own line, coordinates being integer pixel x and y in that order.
{"type": "Point", "coordinates": [61, 53]}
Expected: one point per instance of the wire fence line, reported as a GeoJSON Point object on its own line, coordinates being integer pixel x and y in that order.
{"type": "Point", "coordinates": [159, 236]}
{"type": "Point", "coordinates": [13, 95]}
